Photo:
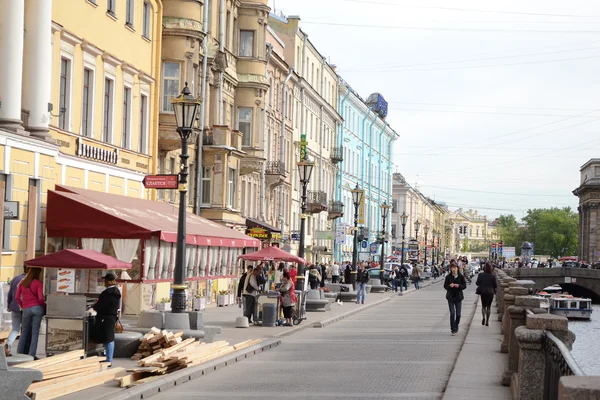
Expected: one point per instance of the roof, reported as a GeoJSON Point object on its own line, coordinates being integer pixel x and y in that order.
{"type": "Point", "coordinates": [78, 259]}
{"type": "Point", "coordinates": [83, 213]}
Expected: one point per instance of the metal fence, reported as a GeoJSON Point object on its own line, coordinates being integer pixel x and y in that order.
{"type": "Point", "coordinates": [559, 362]}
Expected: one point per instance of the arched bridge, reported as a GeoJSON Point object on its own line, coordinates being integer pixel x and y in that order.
{"type": "Point", "coordinates": [570, 279]}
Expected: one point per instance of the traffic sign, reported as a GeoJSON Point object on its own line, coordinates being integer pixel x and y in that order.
{"type": "Point", "coordinates": [161, 181]}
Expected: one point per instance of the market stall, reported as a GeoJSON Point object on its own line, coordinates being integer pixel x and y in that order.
{"type": "Point", "coordinates": [73, 281]}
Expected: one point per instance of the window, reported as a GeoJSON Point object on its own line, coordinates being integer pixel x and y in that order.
{"type": "Point", "coordinates": [126, 132]}
{"type": "Point", "coordinates": [246, 43]}
{"type": "Point", "coordinates": [393, 231]}
{"type": "Point", "coordinates": [143, 126]}
{"type": "Point", "coordinates": [170, 85]}
{"type": "Point", "coordinates": [146, 28]}
{"type": "Point", "coordinates": [108, 110]}
{"type": "Point", "coordinates": [244, 124]}
{"type": "Point", "coordinates": [227, 29]}
{"type": "Point", "coordinates": [65, 92]}
{"type": "Point", "coordinates": [88, 102]}
{"type": "Point", "coordinates": [7, 179]}
{"type": "Point", "coordinates": [232, 189]}
{"type": "Point", "coordinates": [129, 13]}
{"type": "Point", "coordinates": [110, 8]}
{"type": "Point", "coordinates": [206, 178]}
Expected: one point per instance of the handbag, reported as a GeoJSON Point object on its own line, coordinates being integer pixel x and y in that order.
{"type": "Point", "coordinates": [118, 326]}
{"type": "Point", "coordinates": [477, 291]}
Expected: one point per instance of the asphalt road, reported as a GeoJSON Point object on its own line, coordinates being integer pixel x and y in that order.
{"type": "Point", "coordinates": [401, 349]}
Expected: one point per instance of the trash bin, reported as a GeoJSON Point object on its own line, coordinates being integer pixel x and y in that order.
{"type": "Point", "coordinates": [269, 317]}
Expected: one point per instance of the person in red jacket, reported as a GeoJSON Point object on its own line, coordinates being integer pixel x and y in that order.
{"type": "Point", "coordinates": [30, 297]}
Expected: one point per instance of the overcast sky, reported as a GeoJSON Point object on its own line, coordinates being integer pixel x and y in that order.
{"type": "Point", "coordinates": [496, 102]}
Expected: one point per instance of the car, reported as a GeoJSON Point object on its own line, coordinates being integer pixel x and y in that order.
{"type": "Point", "coordinates": [390, 266]}
{"type": "Point", "coordinates": [374, 273]}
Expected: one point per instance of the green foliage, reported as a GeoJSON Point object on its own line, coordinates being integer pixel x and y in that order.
{"type": "Point", "coordinates": [553, 231]}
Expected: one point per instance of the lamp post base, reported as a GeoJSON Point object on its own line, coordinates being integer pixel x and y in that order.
{"type": "Point", "coordinates": [178, 301]}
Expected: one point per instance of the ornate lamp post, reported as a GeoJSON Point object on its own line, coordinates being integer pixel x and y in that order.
{"type": "Point", "coordinates": [403, 220]}
{"type": "Point", "coordinates": [305, 168]}
{"type": "Point", "coordinates": [433, 250]}
{"type": "Point", "coordinates": [417, 225]}
{"type": "Point", "coordinates": [185, 107]}
{"type": "Point", "coordinates": [385, 209]}
{"type": "Point", "coordinates": [357, 195]}
{"type": "Point", "coordinates": [426, 230]}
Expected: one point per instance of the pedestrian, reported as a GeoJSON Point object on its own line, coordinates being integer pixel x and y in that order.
{"type": "Point", "coordinates": [288, 297]}
{"type": "Point", "coordinates": [107, 314]}
{"type": "Point", "coordinates": [293, 273]}
{"type": "Point", "coordinates": [251, 289]}
{"type": "Point", "coordinates": [323, 275]}
{"type": "Point", "coordinates": [279, 274]}
{"type": "Point", "coordinates": [416, 276]}
{"type": "Point", "coordinates": [314, 277]}
{"type": "Point", "coordinates": [454, 284]}
{"type": "Point", "coordinates": [486, 288]}
{"type": "Point", "coordinates": [15, 312]}
{"type": "Point", "coordinates": [347, 274]}
{"type": "Point", "coordinates": [335, 273]}
{"type": "Point", "coordinates": [30, 298]}
{"type": "Point", "coordinates": [403, 278]}
{"type": "Point", "coordinates": [240, 287]}
{"type": "Point", "coordinates": [362, 277]}
{"type": "Point", "coordinates": [395, 277]}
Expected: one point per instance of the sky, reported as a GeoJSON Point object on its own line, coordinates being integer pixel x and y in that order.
{"type": "Point", "coordinates": [496, 102]}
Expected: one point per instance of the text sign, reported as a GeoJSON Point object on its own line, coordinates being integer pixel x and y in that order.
{"type": "Point", "coordinates": [11, 210]}
{"type": "Point", "coordinates": [161, 181]}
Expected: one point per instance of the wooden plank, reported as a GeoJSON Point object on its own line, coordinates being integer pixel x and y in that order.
{"type": "Point", "coordinates": [88, 369]}
{"type": "Point", "coordinates": [155, 330]}
{"type": "Point", "coordinates": [129, 379]}
{"type": "Point", "coordinates": [61, 358]}
{"type": "Point", "coordinates": [156, 356]}
{"type": "Point", "coordinates": [61, 389]}
{"type": "Point", "coordinates": [41, 384]}
{"type": "Point", "coordinates": [72, 364]}
{"type": "Point", "coordinates": [246, 343]}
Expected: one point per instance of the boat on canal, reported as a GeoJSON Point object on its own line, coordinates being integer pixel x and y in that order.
{"type": "Point", "coordinates": [579, 308]}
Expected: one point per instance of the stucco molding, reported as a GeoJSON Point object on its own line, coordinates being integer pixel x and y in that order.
{"type": "Point", "coordinates": [129, 69]}
{"type": "Point", "coordinates": [111, 60]}
{"type": "Point", "coordinates": [91, 49]}
{"type": "Point", "coordinates": [70, 38]}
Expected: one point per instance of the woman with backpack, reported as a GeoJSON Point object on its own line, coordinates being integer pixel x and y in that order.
{"type": "Point", "coordinates": [314, 277]}
{"type": "Point", "coordinates": [416, 276]}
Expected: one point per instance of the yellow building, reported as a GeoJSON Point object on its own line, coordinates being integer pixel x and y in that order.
{"type": "Point", "coordinates": [78, 107]}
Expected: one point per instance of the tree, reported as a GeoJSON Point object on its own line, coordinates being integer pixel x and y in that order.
{"type": "Point", "coordinates": [509, 231]}
{"type": "Point", "coordinates": [553, 231]}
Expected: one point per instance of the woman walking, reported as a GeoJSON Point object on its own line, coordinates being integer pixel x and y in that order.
{"type": "Point", "coordinates": [416, 276]}
{"type": "Point", "coordinates": [30, 297]}
{"type": "Point", "coordinates": [454, 284]}
{"type": "Point", "coordinates": [486, 287]}
{"type": "Point", "coordinates": [288, 297]}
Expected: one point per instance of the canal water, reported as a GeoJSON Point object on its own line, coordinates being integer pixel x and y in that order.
{"type": "Point", "coordinates": [586, 349]}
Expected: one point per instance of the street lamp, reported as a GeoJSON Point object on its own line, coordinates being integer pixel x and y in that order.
{"type": "Point", "coordinates": [403, 219]}
{"type": "Point", "coordinates": [185, 107]}
{"type": "Point", "coordinates": [439, 247]}
{"type": "Point", "coordinates": [417, 225]}
{"type": "Point", "coordinates": [426, 230]}
{"type": "Point", "coordinates": [433, 235]}
{"type": "Point", "coordinates": [357, 195]}
{"type": "Point", "coordinates": [385, 209]}
{"type": "Point", "coordinates": [305, 168]}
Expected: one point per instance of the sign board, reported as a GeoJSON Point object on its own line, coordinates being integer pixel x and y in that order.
{"type": "Point", "coordinates": [374, 246]}
{"type": "Point", "coordinates": [361, 209]}
{"type": "Point", "coordinates": [597, 253]}
{"type": "Point", "coordinates": [65, 280]}
{"type": "Point", "coordinates": [11, 210]}
{"type": "Point", "coordinates": [286, 247]}
{"type": "Point", "coordinates": [509, 252]}
{"type": "Point", "coordinates": [259, 233]}
{"type": "Point", "coordinates": [364, 256]}
{"type": "Point", "coordinates": [364, 244]}
{"type": "Point", "coordinates": [161, 181]}
{"type": "Point", "coordinates": [303, 144]}
{"type": "Point", "coordinates": [340, 234]}
{"type": "Point", "coordinates": [295, 235]}
{"type": "Point", "coordinates": [324, 235]}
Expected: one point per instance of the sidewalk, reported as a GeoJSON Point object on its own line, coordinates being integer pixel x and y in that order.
{"type": "Point", "coordinates": [479, 367]}
{"type": "Point", "coordinates": [225, 318]}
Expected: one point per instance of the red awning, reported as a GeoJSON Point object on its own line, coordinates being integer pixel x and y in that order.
{"type": "Point", "coordinates": [82, 213]}
{"type": "Point", "coordinates": [272, 253]}
{"type": "Point", "coordinates": [77, 259]}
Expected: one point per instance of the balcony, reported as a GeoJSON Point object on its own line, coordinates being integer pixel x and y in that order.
{"type": "Point", "coordinates": [275, 174]}
{"type": "Point", "coordinates": [337, 155]}
{"type": "Point", "coordinates": [336, 210]}
{"type": "Point", "coordinates": [316, 202]}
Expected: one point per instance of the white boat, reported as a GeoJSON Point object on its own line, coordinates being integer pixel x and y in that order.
{"type": "Point", "coordinates": [571, 307]}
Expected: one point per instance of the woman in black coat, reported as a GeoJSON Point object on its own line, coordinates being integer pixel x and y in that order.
{"type": "Point", "coordinates": [486, 287]}
{"type": "Point", "coordinates": [107, 309]}
{"type": "Point", "coordinates": [454, 284]}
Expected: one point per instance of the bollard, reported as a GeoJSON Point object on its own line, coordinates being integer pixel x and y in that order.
{"type": "Point", "coordinates": [510, 301]}
{"type": "Point", "coordinates": [579, 387]}
{"type": "Point", "coordinates": [500, 296]}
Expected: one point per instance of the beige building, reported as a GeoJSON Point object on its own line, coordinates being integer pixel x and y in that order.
{"type": "Point", "coordinates": [470, 232]}
{"type": "Point", "coordinates": [313, 104]}
{"type": "Point", "coordinates": [589, 217]}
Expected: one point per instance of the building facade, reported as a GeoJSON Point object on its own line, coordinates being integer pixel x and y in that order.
{"type": "Point", "coordinates": [588, 193]}
{"type": "Point", "coordinates": [78, 102]}
{"type": "Point", "coordinates": [470, 232]}
{"type": "Point", "coordinates": [365, 144]}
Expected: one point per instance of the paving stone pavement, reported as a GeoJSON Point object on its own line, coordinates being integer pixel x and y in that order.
{"type": "Point", "coordinates": [401, 349]}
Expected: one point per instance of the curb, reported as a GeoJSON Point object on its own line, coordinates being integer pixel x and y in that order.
{"type": "Point", "coordinates": [185, 375]}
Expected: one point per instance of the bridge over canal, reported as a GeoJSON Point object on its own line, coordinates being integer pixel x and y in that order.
{"type": "Point", "coordinates": [580, 281]}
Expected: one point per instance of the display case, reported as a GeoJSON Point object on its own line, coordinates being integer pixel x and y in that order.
{"type": "Point", "coordinates": [64, 334]}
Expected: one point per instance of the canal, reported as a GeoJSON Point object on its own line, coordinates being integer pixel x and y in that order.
{"type": "Point", "coordinates": [586, 349]}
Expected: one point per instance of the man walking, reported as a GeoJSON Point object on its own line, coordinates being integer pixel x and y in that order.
{"type": "Point", "coordinates": [362, 277]}
{"type": "Point", "coordinates": [15, 312]}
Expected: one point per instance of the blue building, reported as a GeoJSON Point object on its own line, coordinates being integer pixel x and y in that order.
{"type": "Point", "coordinates": [367, 142]}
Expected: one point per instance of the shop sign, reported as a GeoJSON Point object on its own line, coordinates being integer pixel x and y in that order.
{"type": "Point", "coordinates": [275, 236]}
{"type": "Point", "coordinates": [161, 181]}
{"type": "Point", "coordinates": [65, 280]}
{"type": "Point", "coordinates": [324, 235]}
{"type": "Point", "coordinates": [11, 210]}
{"type": "Point", "coordinates": [259, 233]}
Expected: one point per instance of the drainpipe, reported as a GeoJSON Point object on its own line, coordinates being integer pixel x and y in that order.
{"type": "Point", "coordinates": [264, 116]}
{"type": "Point", "coordinates": [200, 138]}
{"type": "Point", "coordinates": [370, 171]}
{"type": "Point", "coordinates": [222, 50]}
{"type": "Point", "coordinates": [338, 190]}
{"type": "Point", "coordinates": [379, 188]}
{"type": "Point", "coordinates": [391, 186]}
{"type": "Point", "coordinates": [282, 144]}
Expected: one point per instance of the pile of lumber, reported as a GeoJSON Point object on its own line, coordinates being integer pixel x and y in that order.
{"type": "Point", "coordinates": [69, 373]}
{"type": "Point", "coordinates": [184, 354]}
{"type": "Point", "coordinates": [155, 341]}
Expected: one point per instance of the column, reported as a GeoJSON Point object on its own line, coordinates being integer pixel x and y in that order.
{"type": "Point", "coordinates": [11, 67]}
{"type": "Point", "coordinates": [37, 66]}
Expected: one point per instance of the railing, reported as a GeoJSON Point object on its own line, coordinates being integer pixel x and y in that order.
{"type": "Point", "coordinates": [275, 168]}
{"type": "Point", "coordinates": [559, 362]}
{"type": "Point", "coordinates": [317, 197]}
{"type": "Point", "coordinates": [208, 140]}
{"type": "Point", "coordinates": [337, 155]}
{"type": "Point", "coordinates": [336, 207]}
